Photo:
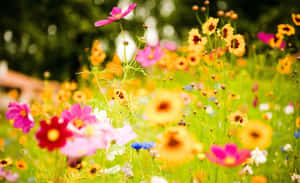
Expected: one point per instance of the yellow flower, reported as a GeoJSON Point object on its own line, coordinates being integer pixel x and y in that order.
{"type": "Point", "coordinates": [226, 32]}
{"type": "Point", "coordinates": [165, 107]}
{"type": "Point", "coordinates": [256, 134]}
{"type": "Point", "coordinates": [236, 45]}
{"type": "Point", "coordinates": [298, 122]}
{"type": "Point", "coordinates": [36, 109]}
{"type": "Point", "coordinates": [97, 56]}
{"type": "Point", "coordinates": [241, 62]}
{"type": "Point", "coordinates": [79, 97]}
{"type": "Point", "coordinates": [175, 146]}
{"type": "Point", "coordinates": [276, 41]}
{"type": "Point", "coordinates": [93, 170]}
{"type": "Point", "coordinates": [23, 140]}
{"type": "Point", "coordinates": [286, 29]}
{"type": "Point", "coordinates": [13, 94]}
{"type": "Point", "coordinates": [181, 63]}
{"type": "Point", "coordinates": [296, 19]}
{"type": "Point", "coordinates": [210, 26]}
{"type": "Point", "coordinates": [238, 118]}
{"type": "Point", "coordinates": [193, 58]}
{"type": "Point", "coordinates": [21, 164]}
{"type": "Point", "coordinates": [259, 179]}
{"type": "Point", "coordinates": [120, 95]}
{"type": "Point", "coordinates": [115, 66]}
{"type": "Point", "coordinates": [195, 41]}
{"type": "Point", "coordinates": [6, 162]}
{"type": "Point", "coordinates": [284, 66]}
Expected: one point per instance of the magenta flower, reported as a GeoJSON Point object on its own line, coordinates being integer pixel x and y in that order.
{"type": "Point", "coordinates": [149, 56]}
{"type": "Point", "coordinates": [8, 175]}
{"type": "Point", "coordinates": [266, 37]}
{"type": "Point", "coordinates": [116, 14]}
{"type": "Point", "coordinates": [228, 156]}
{"type": "Point", "coordinates": [78, 118]}
{"type": "Point", "coordinates": [20, 113]}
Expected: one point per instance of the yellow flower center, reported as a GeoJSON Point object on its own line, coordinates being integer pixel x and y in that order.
{"type": "Point", "coordinates": [229, 161]}
{"type": "Point", "coordinates": [151, 56]}
{"type": "Point", "coordinates": [53, 135]}
{"type": "Point", "coordinates": [23, 113]}
{"type": "Point", "coordinates": [118, 16]}
{"type": "Point", "coordinates": [78, 123]}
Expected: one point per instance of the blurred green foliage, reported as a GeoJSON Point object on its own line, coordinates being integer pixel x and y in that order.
{"type": "Point", "coordinates": [50, 35]}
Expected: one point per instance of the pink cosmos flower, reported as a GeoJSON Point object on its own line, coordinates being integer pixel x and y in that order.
{"type": "Point", "coordinates": [266, 37]}
{"type": "Point", "coordinates": [170, 46]}
{"type": "Point", "coordinates": [78, 118]}
{"type": "Point", "coordinates": [8, 175]}
{"type": "Point", "coordinates": [124, 135]}
{"type": "Point", "coordinates": [228, 156]}
{"type": "Point", "coordinates": [116, 14]}
{"type": "Point", "coordinates": [149, 56]}
{"type": "Point", "coordinates": [20, 113]}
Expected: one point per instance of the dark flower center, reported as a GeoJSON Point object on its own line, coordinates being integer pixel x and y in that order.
{"type": "Point", "coordinates": [163, 106]}
{"type": "Point", "coordinates": [193, 59]}
{"type": "Point", "coordinates": [93, 170]}
{"type": "Point", "coordinates": [235, 43]}
{"type": "Point", "coordinates": [297, 19]}
{"type": "Point", "coordinates": [225, 33]}
{"type": "Point", "coordinates": [196, 39]}
{"type": "Point", "coordinates": [255, 134]}
{"type": "Point", "coordinates": [286, 28]}
{"type": "Point", "coordinates": [172, 143]}
{"type": "Point", "coordinates": [211, 27]}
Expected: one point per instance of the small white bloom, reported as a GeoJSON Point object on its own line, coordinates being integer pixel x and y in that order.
{"type": "Point", "coordinates": [210, 110]}
{"type": "Point", "coordinates": [269, 115]}
{"type": "Point", "coordinates": [296, 178]}
{"type": "Point", "coordinates": [247, 170]}
{"type": "Point", "coordinates": [156, 179]}
{"type": "Point", "coordinates": [287, 147]}
{"type": "Point", "coordinates": [289, 109]}
{"type": "Point", "coordinates": [264, 107]}
{"type": "Point", "coordinates": [115, 150]}
{"type": "Point", "coordinates": [112, 170]}
{"type": "Point", "coordinates": [259, 156]}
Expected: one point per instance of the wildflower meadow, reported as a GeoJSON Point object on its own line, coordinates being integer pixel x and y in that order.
{"type": "Point", "coordinates": [210, 109]}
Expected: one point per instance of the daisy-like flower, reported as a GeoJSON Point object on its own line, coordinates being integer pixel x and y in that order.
{"type": "Point", "coordinates": [289, 109]}
{"type": "Point", "coordinates": [6, 162]}
{"type": "Point", "coordinates": [238, 118]}
{"type": "Point", "coordinates": [116, 14]}
{"type": "Point", "coordinates": [296, 19]}
{"type": "Point", "coordinates": [277, 41]}
{"type": "Point", "coordinates": [286, 29]}
{"type": "Point", "coordinates": [93, 170]}
{"type": "Point", "coordinates": [247, 170]}
{"type": "Point", "coordinates": [79, 97]}
{"type": "Point", "coordinates": [20, 113]}
{"type": "Point", "coordinates": [266, 38]}
{"type": "Point", "coordinates": [193, 58]}
{"type": "Point", "coordinates": [176, 146]}
{"type": "Point", "coordinates": [226, 32]}
{"type": "Point", "coordinates": [259, 156]}
{"type": "Point", "coordinates": [54, 134]}
{"type": "Point", "coordinates": [21, 164]}
{"type": "Point", "coordinates": [8, 175]}
{"type": "Point", "coordinates": [210, 26]}
{"type": "Point", "coordinates": [295, 177]}
{"type": "Point", "coordinates": [166, 107]}
{"type": "Point", "coordinates": [236, 45]}
{"type": "Point", "coordinates": [181, 63]}
{"type": "Point", "coordinates": [195, 41]}
{"type": "Point", "coordinates": [228, 155]}
{"type": "Point", "coordinates": [255, 134]}
{"type": "Point", "coordinates": [149, 56]}
{"type": "Point", "coordinates": [78, 118]}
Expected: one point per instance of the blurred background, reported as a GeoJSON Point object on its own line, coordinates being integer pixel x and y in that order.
{"type": "Point", "coordinates": [51, 35]}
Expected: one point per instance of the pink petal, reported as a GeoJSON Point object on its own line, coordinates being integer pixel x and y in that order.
{"type": "Point", "coordinates": [102, 22]}
{"type": "Point", "coordinates": [231, 149]}
{"type": "Point", "coordinates": [218, 151]}
{"type": "Point", "coordinates": [116, 11]}
{"type": "Point", "coordinates": [130, 8]}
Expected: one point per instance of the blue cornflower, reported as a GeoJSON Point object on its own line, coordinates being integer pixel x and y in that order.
{"type": "Point", "coordinates": [137, 145]}
{"type": "Point", "coordinates": [297, 134]}
{"type": "Point", "coordinates": [188, 87]}
{"type": "Point", "coordinates": [148, 145]}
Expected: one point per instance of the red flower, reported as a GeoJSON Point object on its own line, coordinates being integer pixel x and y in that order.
{"type": "Point", "coordinates": [54, 134]}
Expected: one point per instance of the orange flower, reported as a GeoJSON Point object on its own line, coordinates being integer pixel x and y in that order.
{"type": "Point", "coordinates": [296, 19]}
{"type": "Point", "coordinates": [286, 29]}
{"type": "Point", "coordinates": [259, 179]}
{"type": "Point", "coordinates": [21, 164]}
{"type": "Point", "coordinates": [181, 63]}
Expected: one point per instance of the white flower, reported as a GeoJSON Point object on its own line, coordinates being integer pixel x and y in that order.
{"type": "Point", "coordinates": [101, 115]}
{"type": "Point", "coordinates": [112, 170]}
{"type": "Point", "coordinates": [296, 178]}
{"type": "Point", "coordinates": [287, 147]}
{"type": "Point", "coordinates": [246, 170]}
{"type": "Point", "coordinates": [269, 115]}
{"type": "Point", "coordinates": [264, 107]}
{"type": "Point", "coordinates": [259, 156]}
{"type": "Point", "coordinates": [289, 109]}
{"type": "Point", "coordinates": [210, 110]}
{"type": "Point", "coordinates": [156, 179]}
